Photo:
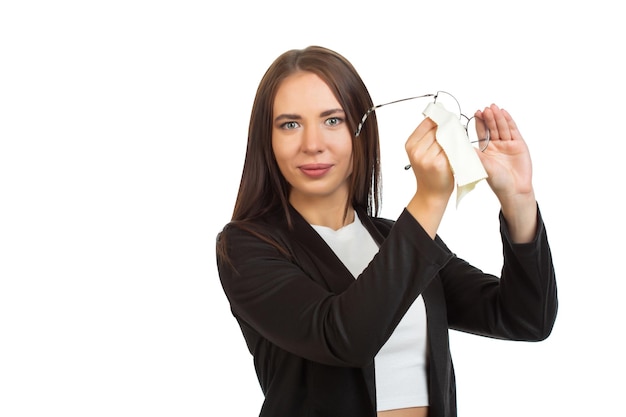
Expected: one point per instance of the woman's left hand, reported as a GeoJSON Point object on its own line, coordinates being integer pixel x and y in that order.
{"type": "Point", "coordinates": [507, 162]}
{"type": "Point", "coordinates": [506, 159]}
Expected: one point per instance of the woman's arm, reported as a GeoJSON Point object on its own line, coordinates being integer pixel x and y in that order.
{"type": "Point", "coordinates": [507, 162]}
{"type": "Point", "coordinates": [521, 305]}
{"type": "Point", "coordinates": [433, 176]}
{"type": "Point", "coordinates": [288, 303]}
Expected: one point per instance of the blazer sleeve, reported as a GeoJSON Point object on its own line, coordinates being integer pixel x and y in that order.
{"type": "Point", "coordinates": [521, 305]}
{"type": "Point", "coordinates": [281, 301]}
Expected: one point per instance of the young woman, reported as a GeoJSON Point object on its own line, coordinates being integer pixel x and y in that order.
{"type": "Point", "coordinates": [345, 313]}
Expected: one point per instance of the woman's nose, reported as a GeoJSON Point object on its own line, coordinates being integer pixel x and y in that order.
{"type": "Point", "coordinates": [312, 140]}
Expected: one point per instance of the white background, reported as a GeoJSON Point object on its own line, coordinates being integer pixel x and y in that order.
{"type": "Point", "coordinates": [122, 135]}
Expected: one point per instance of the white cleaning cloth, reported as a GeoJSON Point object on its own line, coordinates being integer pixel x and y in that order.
{"type": "Point", "coordinates": [451, 135]}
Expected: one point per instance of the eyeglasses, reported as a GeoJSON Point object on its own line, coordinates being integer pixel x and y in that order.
{"type": "Point", "coordinates": [475, 129]}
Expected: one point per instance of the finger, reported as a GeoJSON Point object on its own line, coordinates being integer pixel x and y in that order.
{"type": "Point", "coordinates": [496, 123]}
{"type": "Point", "coordinates": [502, 124]}
{"type": "Point", "coordinates": [425, 126]}
{"type": "Point", "coordinates": [424, 151]}
{"type": "Point", "coordinates": [420, 141]}
{"type": "Point", "coordinates": [489, 118]}
{"type": "Point", "coordinates": [425, 130]}
{"type": "Point", "coordinates": [480, 127]}
{"type": "Point", "coordinates": [515, 133]}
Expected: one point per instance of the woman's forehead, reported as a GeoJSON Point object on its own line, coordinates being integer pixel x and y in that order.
{"type": "Point", "coordinates": [304, 91]}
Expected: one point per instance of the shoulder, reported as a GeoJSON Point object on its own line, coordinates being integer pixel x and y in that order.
{"type": "Point", "coordinates": [243, 238]}
{"type": "Point", "coordinates": [271, 223]}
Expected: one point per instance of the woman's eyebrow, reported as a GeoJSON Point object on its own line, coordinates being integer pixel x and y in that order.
{"type": "Point", "coordinates": [289, 116]}
{"type": "Point", "coordinates": [331, 111]}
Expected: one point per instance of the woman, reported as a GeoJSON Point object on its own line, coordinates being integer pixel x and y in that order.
{"type": "Point", "coordinates": [345, 313]}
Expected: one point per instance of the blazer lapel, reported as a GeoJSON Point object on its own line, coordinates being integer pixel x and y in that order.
{"type": "Point", "coordinates": [319, 256]}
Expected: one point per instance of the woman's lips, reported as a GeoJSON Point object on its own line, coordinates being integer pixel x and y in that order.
{"type": "Point", "coordinates": [315, 170]}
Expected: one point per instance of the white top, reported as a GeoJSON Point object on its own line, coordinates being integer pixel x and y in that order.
{"type": "Point", "coordinates": [401, 364]}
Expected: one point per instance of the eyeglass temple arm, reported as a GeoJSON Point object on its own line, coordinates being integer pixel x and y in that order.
{"type": "Point", "coordinates": [371, 109]}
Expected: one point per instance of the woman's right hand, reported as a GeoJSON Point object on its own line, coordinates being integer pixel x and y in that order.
{"type": "Point", "coordinates": [435, 181]}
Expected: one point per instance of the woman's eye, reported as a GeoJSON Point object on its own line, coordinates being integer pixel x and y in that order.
{"type": "Point", "coordinates": [290, 125]}
{"type": "Point", "coordinates": [333, 121]}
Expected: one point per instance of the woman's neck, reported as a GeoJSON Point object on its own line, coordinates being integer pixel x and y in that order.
{"type": "Point", "coordinates": [334, 216]}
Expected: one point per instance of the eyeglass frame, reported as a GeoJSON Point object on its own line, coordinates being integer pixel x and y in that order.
{"type": "Point", "coordinates": [435, 95]}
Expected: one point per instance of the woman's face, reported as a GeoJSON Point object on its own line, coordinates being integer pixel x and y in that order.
{"type": "Point", "coordinates": [311, 140]}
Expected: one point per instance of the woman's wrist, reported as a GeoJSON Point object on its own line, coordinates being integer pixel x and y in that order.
{"type": "Point", "coordinates": [520, 213]}
{"type": "Point", "coordinates": [428, 211]}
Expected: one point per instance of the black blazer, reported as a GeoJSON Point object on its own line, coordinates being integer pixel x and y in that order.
{"type": "Point", "coordinates": [314, 330]}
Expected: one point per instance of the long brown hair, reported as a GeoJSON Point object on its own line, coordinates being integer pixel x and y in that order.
{"type": "Point", "coordinates": [263, 189]}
